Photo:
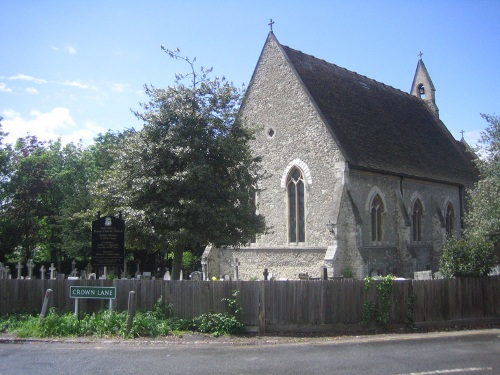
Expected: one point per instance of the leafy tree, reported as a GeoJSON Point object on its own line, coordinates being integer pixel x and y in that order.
{"type": "Point", "coordinates": [25, 195]}
{"type": "Point", "coordinates": [467, 257]}
{"type": "Point", "coordinates": [188, 178]}
{"type": "Point", "coordinates": [483, 218]}
{"type": "Point", "coordinates": [7, 241]}
{"type": "Point", "coordinates": [474, 254]}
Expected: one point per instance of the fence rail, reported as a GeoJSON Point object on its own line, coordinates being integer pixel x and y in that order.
{"type": "Point", "coordinates": [275, 303]}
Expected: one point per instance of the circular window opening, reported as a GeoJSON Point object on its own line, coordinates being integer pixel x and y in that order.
{"type": "Point", "coordinates": [271, 133]}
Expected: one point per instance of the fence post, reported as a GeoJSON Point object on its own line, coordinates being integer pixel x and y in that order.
{"type": "Point", "coordinates": [48, 294]}
{"type": "Point", "coordinates": [262, 307]}
{"type": "Point", "coordinates": [131, 310]}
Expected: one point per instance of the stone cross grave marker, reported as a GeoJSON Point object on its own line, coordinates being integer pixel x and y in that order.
{"type": "Point", "coordinates": [52, 270]}
{"type": "Point", "coordinates": [74, 271]}
{"type": "Point", "coordinates": [7, 272]}
{"type": "Point", "coordinates": [30, 266]}
{"type": "Point", "coordinates": [235, 265]}
{"type": "Point", "coordinates": [42, 272]}
{"type": "Point", "coordinates": [19, 270]}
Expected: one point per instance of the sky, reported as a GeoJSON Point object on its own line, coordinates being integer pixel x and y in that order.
{"type": "Point", "coordinates": [74, 69]}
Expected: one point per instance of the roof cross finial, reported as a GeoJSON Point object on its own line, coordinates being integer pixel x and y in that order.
{"type": "Point", "coordinates": [462, 132]}
{"type": "Point", "coordinates": [420, 55]}
{"type": "Point", "coordinates": [271, 23]}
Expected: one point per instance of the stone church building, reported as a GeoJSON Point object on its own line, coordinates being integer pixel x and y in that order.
{"type": "Point", "coordinates": [363, 178]}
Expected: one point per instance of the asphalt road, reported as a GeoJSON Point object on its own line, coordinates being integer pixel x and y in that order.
{"type": "Point", "coordinates": [464, 352]}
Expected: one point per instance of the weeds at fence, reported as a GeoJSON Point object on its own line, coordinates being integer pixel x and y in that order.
{"type": "Point", "coordinates": [155, 323]}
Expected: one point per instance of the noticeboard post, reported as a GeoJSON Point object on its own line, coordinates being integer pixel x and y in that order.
{"type": "Point", "coordinates": [108, 241]}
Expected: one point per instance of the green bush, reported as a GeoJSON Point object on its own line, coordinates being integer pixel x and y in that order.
{"type": "Point", "coordinates": [470, 257]}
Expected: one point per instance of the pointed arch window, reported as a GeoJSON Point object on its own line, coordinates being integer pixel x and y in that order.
{"type": "Point", "coordinates": [377, 218]}
{"type": "Point", "coordinates": [418, 219]}
{"type": "Point", "coordinates": [296, 206]}
{"type": "Point", "coordinates": [450, 220]}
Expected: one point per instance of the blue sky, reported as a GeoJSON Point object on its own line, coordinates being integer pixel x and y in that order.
{"type": "Point", "coordinates": [73, 69]}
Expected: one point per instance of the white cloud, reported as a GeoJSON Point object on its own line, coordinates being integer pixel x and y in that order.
{"type": "Point", "coordinates": [45, 126]}
{"type": "Point", "coordinates": [4, 87]}
{"type": "Point", "coordinates": [71, 50]}
{"type": "Point", "coordinates": [31, 90]}
{"type": "Point", "coordinates": [24, 77]}
{"type": "Point", "coordinates": [76, 84]}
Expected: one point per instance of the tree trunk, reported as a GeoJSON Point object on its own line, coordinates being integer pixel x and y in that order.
{"type": "Point", "coordinates": [176, 264]}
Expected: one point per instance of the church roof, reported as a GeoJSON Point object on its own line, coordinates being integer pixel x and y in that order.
{"type": "Point", "coordinates": [380, 128]}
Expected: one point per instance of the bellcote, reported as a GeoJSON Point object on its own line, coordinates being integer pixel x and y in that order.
{"type": "Point", "coordinates": [423, 87]}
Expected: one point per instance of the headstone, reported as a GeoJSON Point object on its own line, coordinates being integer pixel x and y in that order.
{"type": "Point", "coordinates": [53, 272]}
{"type": "Point", "coordinates": [30, 266]}
{"type": "Point", "coordinates": [181, 277]}
{"type": "Point", "coordinates": [83, 274]}
{"type": "Point", "coordinates": [146, 275]}
{"type": "Point", "coordinates": [88, 270]}
{"type": "Point", "coordinates": [74, 270]}
{"type": "Point", "coordinates": [196, 276]}
{"type": "Point", "coordinates": [167, 275]}
{"type": "Point", "coordinates": [42, 272]}
{"type": "Point", "coordinates": [422, 275]}
{"type": "Point", "coordinates": [19, 270]}
{"type": "Point", "coordinates": [2, 270]}
{"type": "Point", "coordinates": [204, 263]}
{"type": "Point", "coordinates": [235, 264]}
{"type": "Point", "coordinates": [138, 271]}
{"type": "Point", "coordinates": [265, 273]}
{"type": "Point", "coordinates": [7, 273]}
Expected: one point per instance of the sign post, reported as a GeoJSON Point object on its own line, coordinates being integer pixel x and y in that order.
{"type": "Point", "coordinates": [93, 292]}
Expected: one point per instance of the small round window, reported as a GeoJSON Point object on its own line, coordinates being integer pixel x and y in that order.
{"type": "Point", "coordinates": [270, 132]}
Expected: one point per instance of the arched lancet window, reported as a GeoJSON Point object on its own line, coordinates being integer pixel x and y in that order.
{"type": "Point", "coordinates": [296, 206]}
{"type": "Point", "coordinates": [450, 220]}
{"type": "Point", "coordinates": [418, 219]}
{"type": "Point", "coordinates": [377, 218]}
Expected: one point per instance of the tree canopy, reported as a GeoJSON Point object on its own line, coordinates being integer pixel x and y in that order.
{"type": "Point", "coordinates": [474, 254]}
{"type": "Point", "coordinates": [188, 178]}
{"type": "Point", "coordinates": [483, 218]}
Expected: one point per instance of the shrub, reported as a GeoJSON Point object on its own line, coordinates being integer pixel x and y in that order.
{"type": "Point", "coordinates": [471, 257]}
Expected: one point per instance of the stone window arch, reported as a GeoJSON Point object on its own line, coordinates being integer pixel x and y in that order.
{"type": "Point", "coordinates": [450, 220]}
{"type": "Point", "coordinates": [295, 185]}
{"type": "Point", "coordinates": [377, 210]}
{"type": "Point", "coordinates": [418, 220]}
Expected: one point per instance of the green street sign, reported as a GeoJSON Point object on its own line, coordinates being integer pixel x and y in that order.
{"type": "Point", "coordinates": [94, 292]}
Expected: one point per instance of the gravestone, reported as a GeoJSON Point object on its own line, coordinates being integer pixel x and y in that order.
{"type": "Point", "coordinates": [422, 275]}
{"type": "Point", "coordinates": [53, 272]}
{"type": "Point", "coordinates": [235, 264]}
{"type": "Point", "coordinates": [7, 273]}
{"type": "Point", "coordinates": [30, 266]}
{"type": "Point", "coordinates": [196, 276]}
{"type": "Point", "coordinates": [19, 270]}
{"type": "Point", "coordinates": [88, 270]}
{"type": "Point", "coordinates": [265, 273]}
{"type": "Point", "coordinates": [167, 275]}
{"type": "Point", "coordinates": [2, 270]}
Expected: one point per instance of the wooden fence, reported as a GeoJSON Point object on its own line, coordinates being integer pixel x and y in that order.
{"type": "Point", "coordinates": [277, 305]}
